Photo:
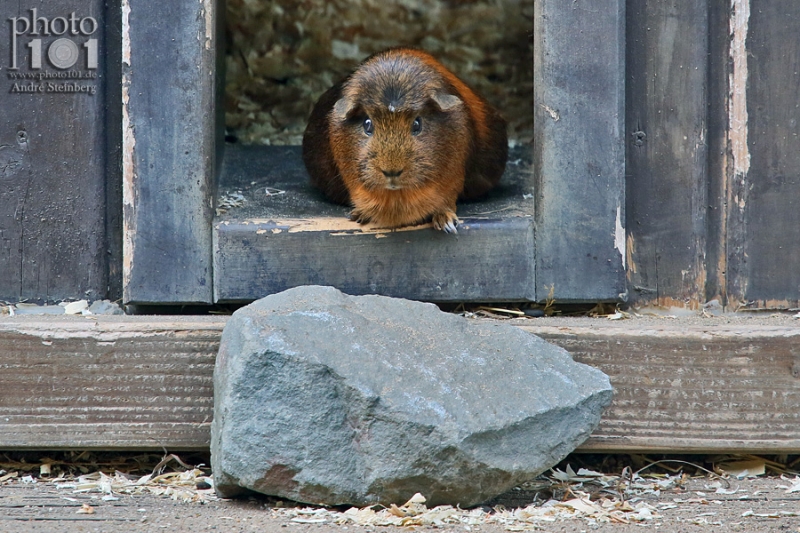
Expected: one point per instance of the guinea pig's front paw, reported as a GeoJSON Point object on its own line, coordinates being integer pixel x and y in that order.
{"type": "Point", "coordinates": [357, 216]}
{"type": "Point", "coordinates": [446, 221]}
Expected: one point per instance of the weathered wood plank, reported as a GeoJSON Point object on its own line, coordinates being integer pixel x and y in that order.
{"type": "Point", "coordinates": [488, 260]}
{"type": "Point", "coordinates": [716, 252]}
{"type": "Point", "coordinates": [579, 149]}
{"type": "Point", "coordinates": [113, 133]}
{"type": "Point", "coordinates": [768, 181]}
{"type": "Point", "coordinates": [713, 86]}
{"type": "Point", "coordinates": [667, 47]}
{"type": "Point", "coordinates": [170, 134]}
{"type": "Point", "coordinates": [692, 388]}
{"type": "Point", "coordinates": [52, 152]}
{"type": "Point", "coordinates": [109, 383]}
{"type": "Point", "coordinates": [146, 382]}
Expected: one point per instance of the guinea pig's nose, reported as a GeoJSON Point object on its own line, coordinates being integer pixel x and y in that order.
{"type": "Point", "coordinates": [392, 173]}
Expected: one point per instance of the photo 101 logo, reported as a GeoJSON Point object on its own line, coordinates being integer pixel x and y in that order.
{"type": "Point", "coordinates": [65, 43]}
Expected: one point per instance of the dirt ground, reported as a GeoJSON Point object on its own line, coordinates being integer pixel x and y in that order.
{"type": "Point", "coordinates": [757, 505]}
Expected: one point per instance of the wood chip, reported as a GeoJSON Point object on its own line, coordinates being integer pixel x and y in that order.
{"type": "Point", "coordinates": [742, 469]}
{"type": "Point", "coordinates": [85, 509]}
{"type": "Point", "coordinates": [10, 475]}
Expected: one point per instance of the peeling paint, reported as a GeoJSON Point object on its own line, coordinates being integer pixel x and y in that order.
{"type": "Point", "coordinates": [733, 285]}
{"type": "Point", "coordinates": [126, 41]}
{"type": "Point", "coordinates": [668, 302]}
{"type": "Point", "coordinates": [208, 15]}
{"type": "Point", "coordinates": [629, 252]}
{"type": "Point", "coordinates": [737, 108]}
{"type": "Point", "coordinates": [552, 112]}
{"type": "Point", "coordinates": [776, 305]}
{"type": "Point", "coordinates": [128, 148]}
{"type": "Point", "coordinates": [338, 226]}
{"type": "Point", "coordinates": [619, 237]}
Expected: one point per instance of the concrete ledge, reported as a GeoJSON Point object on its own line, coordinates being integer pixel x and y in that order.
{"type": "Point", "coordinates": [143, 382]}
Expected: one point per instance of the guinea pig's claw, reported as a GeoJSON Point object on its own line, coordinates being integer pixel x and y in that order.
{"type": "Point", "coordinates": [357, 216]}
{"type": "Point", "coordinates": [446, 222]}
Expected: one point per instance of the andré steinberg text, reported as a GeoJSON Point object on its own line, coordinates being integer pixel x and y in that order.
{"type": "Point", "coordinates": [65, 43]}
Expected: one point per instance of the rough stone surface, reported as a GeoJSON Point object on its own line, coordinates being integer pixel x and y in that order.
{"type": "Point", "coordinates": [321, 397]}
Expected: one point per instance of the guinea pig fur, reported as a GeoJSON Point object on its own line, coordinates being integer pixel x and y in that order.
{"type": "Point", "coordinates": [401, 139]}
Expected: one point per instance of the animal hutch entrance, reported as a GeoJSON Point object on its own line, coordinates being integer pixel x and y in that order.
{"type": "Point", "coordinates": [209, 220]}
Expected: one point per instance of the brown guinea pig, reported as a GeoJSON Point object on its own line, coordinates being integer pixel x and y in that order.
{"type": "Point", "coordinates": [401, 139]}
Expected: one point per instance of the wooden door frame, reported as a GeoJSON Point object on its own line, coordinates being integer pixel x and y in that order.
{"type": "Point", "coordinates": [172, 67]}
{"type": "Point", "coordinates": [172, 83]}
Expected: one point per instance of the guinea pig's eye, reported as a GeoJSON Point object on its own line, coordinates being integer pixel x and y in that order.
{"type": "Point", "coordinates": [416, 126]}
{"type": "Point", "coordinates": [368, 127]}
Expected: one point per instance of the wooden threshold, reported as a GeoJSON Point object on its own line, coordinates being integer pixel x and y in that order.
{"type": "Point", "coordinates": [486, 257]}
{"type": "Point", "coordinates": [274, 232]}
{"type": "Point", "coordinates": [145, 382]}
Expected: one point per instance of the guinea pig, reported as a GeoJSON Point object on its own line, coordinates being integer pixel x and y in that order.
{"type": "Point", "coordinates": [401, 139]}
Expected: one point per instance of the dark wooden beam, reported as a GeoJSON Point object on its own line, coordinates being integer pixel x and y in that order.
{"type": "Point", "coordinates": [489, 260]}
{"type": "Point", "coordinates": [666, 146]}
{"type": "Point", "coordinates": [53, 157]}
{"type": "Point", "coordinates": [171, 130]}
{"type": "Point", "coordinates": [764, 246]}
{"type": "Point", "coordinates": [579, 149]}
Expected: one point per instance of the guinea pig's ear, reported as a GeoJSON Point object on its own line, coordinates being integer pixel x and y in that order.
{"type": "Point", "coordinates": [342, 108]}
{"type": "Point", "coordinates": [445, 101]}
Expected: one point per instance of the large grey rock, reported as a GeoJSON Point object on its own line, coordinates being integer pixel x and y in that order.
{"type": "Point", "coordinates": [326, 398]}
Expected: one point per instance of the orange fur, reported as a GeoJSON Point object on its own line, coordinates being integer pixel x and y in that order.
{"type": "Point", "coordinates": [361, 145]}
{"type": "Point", "coordinates": [475, 104]}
